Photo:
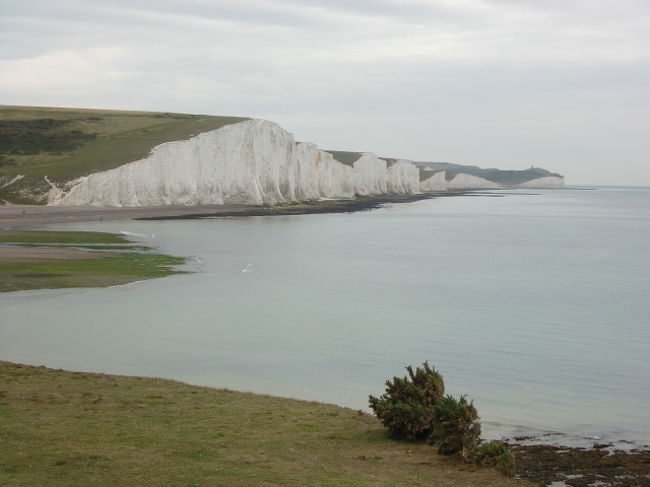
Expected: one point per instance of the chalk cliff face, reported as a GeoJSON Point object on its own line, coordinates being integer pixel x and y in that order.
{"type": "Point", "coordinates": [252, 162]}
{"type": "Point", "coordinates": [255, 162]}
{"type": "Point", "coordinates": [435, 182]}
{"type": "Point", "coordinates": [403, 178]}
{"type": "Point", "coordinates": [550, 182]}
{"type": "Point", "coordinates": [467, 181]}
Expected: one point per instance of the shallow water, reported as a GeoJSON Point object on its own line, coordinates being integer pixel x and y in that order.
{"type": "Point", "coordinates": [536, 305]}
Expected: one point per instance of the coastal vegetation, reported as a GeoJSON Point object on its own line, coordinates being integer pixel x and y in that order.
{"type": "Point", "coordinates": [406, 408]}
{"type": "Point", "coordinates": [414, 408]}
{"type": "Point", "coordinates": [44, 259]}
{"type": "Point", "coordinates": [76, 429]}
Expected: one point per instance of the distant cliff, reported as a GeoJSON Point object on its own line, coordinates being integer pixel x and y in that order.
{"type": "Point", "coordinates": [461, 176]}
{"type": "Point", "coordinates": [192, 160]}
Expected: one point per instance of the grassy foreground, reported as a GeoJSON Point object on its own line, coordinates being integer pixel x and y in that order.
{"type": "Point", "coordinates": [77, 429]}
{"type": "Point", "coordinates": [43, 259]}
{"type": "Point", "coordinates": [66, 143]}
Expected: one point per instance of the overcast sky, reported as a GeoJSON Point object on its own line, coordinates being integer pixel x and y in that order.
{"type": "Point", "coordinates": [561, 84]}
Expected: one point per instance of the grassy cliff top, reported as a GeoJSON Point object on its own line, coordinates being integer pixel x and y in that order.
{"type": "Point", "coordinates": [345, 157]}
{"type": "Point", "coordinates": [427, 172]}
{"type": "Point", "coordinates": [77, 429]}
{"type": "Point", "coordinates": [66, 143]}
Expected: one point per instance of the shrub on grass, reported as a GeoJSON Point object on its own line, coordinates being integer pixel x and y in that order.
{"type": "Point", "coordinates": [457, 427]}
{"type": "Point", "coordinates": [414, 408]}
{"type": "Point", "coordinates": [496, 454]}
{"type": "Point", "coordinates": [406, 408]}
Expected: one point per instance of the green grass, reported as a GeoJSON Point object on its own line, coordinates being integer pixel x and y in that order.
{"type": "Point", "coordinates": [66, 143]}
{"type": "Point", "coordinates": [61, 237]}
{"type": "Point", "coordinates": [96, 266]}
{"type": "Point", "coordinates": [108, 270]}
{"type": "Point", "coordinates": [426, 173]}
{"type": "Point", "coordinates": [78, 429]}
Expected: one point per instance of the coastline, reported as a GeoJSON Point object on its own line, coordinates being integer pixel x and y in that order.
{"type": "Point", "coordinates": [15, 216]}
{"type": "Point", "coordinates": [31, 260]}
{"type": "Point", "coordinates": [123, 430]}
{"type": "Point", "coordinates": [333, 439]}
{"type": "Point", "coordinates": [48, 260]}
{"type": "Point", "coordinates": [594, 466]}
{"type": "Point", "coordinates": [359, 203]}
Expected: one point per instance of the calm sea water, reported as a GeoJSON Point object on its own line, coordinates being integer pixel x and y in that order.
{"type": "Point", "coordinates": [535, 305]}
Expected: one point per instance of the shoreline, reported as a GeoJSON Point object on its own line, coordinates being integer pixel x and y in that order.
{"type": "Point", "coordinates": [353, 205]}
{"type": "Point", "coordinates": [541, 464]}
{"type": "Point", "coordinates": [577, 466]}
{"type": "Point", "coordinates": [47, 259]}
{"type": "Point", "coordinates": [15, 216]}
{"type": "Point", "coordinates": [122, 430]}
{"type": "Point", "coordinates": [33, 260]}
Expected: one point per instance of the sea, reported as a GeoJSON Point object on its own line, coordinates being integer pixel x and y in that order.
{"type": "Point", "coordinates": [533, 303]}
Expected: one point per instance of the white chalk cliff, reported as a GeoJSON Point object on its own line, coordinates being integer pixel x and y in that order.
{"type": "Point", "coordinates": [435, 182]}
{"type": "Point", "coordinates": [547, 182]}
{"type": "Point", "coordinates": [468, 181]}
{"type": "Point", "coordinates": [252, 162]}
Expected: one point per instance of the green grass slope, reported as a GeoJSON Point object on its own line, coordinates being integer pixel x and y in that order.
{"type": "Point", "coordinates": [345, 157]}
{"type": "Point", "coordinates": [66, 143]}
{"type": "Point", "coordinates": [78, 429]}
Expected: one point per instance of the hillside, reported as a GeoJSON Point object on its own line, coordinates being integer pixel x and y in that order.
{"type": "Point", "coordinates": [66, 143]}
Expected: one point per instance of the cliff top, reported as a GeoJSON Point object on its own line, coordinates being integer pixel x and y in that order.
{"type": "Point", "coordinates": [345, 157]}
{"type": "Point", "coordinates": [66, 143]}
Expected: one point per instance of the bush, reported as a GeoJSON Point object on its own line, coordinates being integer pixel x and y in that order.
{"type": "Point", "coordinates": [457, 426]}
{"type": "Point", "coordinates": [406, 408]}
{"type": "Point", "coordinates": [496, 454]}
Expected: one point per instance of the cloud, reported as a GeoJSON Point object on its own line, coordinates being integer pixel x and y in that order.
{"type": "Point", "coordinates": [464, 80]}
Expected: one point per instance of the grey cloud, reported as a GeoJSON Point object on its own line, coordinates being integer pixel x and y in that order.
{"type": "Point", "coordinates": [495, 82]}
